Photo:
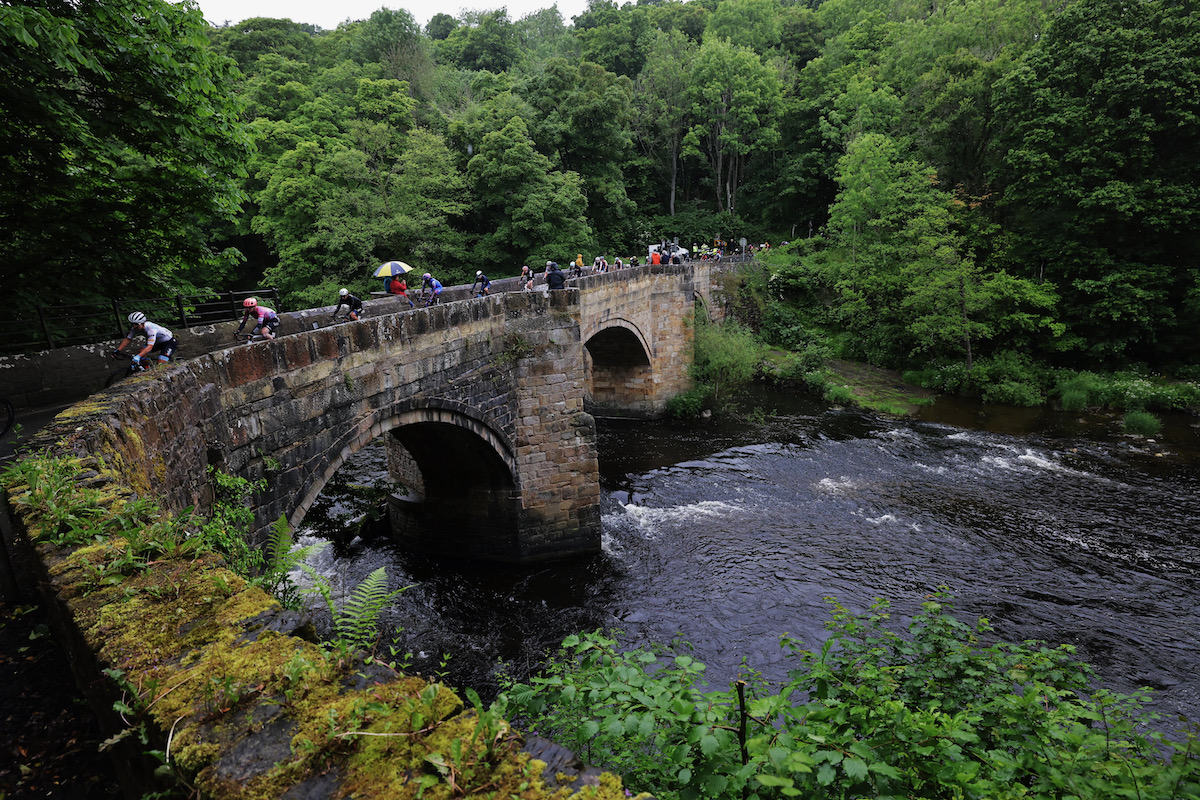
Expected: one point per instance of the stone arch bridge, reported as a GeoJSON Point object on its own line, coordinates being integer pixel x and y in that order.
{"type": "Point", "coordinates": [488, 408]}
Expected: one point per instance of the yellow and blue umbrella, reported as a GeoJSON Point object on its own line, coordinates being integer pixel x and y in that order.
{"type": "Point", "coordinates": [392, 268]}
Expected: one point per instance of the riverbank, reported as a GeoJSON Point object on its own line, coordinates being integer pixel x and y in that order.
{"type": "Point", "coordinates": [879, 389]}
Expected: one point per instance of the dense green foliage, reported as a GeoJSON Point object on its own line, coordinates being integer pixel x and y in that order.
{"type": "Point", "coordinates": [958, 182]}
{"type": "Point", "coordinates": [121, 143]}
{"type": "Point", "coordinates": [936, 713]}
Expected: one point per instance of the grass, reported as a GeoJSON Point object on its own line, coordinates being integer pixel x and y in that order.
{"type": "Point", "coordinates": [1142, 423]}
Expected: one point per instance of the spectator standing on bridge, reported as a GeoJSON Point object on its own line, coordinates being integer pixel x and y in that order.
{"type": "Point", "coordinates": [158, 339]}
{"type": "Point", "coordinates": [527, 278]}
{"type": "Point", "coordinates": [265, 319]}
{"type": "Point", "coordinates": [353, 305]}
{"type": "Point", "coordinates": [399, 287]}
{"type": "Point", "coordinates": [435, 289]}
{"type": "Point", "coordinates": [555, 277]}
{"type": "Point", "coordinates": [485, 285]}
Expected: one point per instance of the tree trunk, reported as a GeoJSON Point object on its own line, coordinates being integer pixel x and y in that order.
{"type": "Point", "coordinates": [962, 298]}
{"type": "Point", "coordinates": [674, 172]}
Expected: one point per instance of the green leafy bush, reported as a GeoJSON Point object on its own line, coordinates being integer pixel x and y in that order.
{"type": "Point", "coordinates": [727, 358]}
{"type": "Point", "coordinates": [1142, 423]}
{"type": "Point", "coordinates": [689, 404]}
{"type": "Point", "coordinates": [1080, 390]}
{"type": "Point", "coordinates": [838, 394]}
{"type": "Point", "coordinates": [1133, 391]}
{"type": "Point", "coordinates": [784, 326]}
{"type": "Point", "coordinates": [951, 378]}
{"type": "Point", "coordinates": [1127, 390]}
{"type": "Point", "coordinates": [1013, 393]}
{"type": "Point", "coordinates": [935, 713]}
{"type": "Point", "coordinates": [227, 530]}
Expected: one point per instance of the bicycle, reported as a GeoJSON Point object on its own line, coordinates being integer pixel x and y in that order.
{"type": "Point", "coordinates": [339, 319]}
{"type": "Point", "coordinates": [7, 416]}
{"type": "Point", "coordinates": [132, 368]}
{"type": "Point", "coordinates": [240, 338]}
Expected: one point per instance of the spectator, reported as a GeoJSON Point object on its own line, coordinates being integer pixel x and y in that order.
{"type": "Point", "coordinates": [399, 287]}
{"type": "Point", "coordinates": [555, 277]}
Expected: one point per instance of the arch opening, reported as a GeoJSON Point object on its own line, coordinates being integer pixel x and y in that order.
{"type": "Point", "coordinates": [620, 374]}
{"type": "Point", "coordinates": [462, 500]}
{"type": "Point", "coordinates": [452, 485]}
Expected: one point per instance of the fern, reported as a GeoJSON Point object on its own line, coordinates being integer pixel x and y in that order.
{"type": "Point", "coordinates": [282, 558]}
{"type": "Point", "coordinates": [355, 624]}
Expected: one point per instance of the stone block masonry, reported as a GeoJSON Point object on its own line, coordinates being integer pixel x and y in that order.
{"type": "Point", "coordinates": [486, 403]}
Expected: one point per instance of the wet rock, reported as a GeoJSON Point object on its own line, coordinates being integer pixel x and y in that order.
{"type": "Point", "coordinates": [561, 762]}
{"type": "Point", "coordinates": [256, 753]}
{"type": "Point", "coordinates": [284, 621]}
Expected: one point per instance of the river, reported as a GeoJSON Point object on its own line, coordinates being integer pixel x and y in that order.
{"type": "Point", "coordinates": [733, 532]}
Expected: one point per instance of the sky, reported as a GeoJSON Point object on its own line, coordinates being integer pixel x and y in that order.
{"type": "Point", "coordinates": [328, 14]}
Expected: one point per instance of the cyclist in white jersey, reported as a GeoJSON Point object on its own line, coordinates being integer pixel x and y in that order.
{"type": "Point", "coordinates": [158, 339]}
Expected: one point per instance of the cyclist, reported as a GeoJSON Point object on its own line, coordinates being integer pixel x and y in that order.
{"type": "Point", "coordinates": [265, 320]}
{"type": "Point", "coordinates": [158, 339]}
{"type": "Point", "coordinates": [352, 303]}
{"type": "Point", "coordinates": [435, 289]}
{"type": "Point", "coordinates": [485, 285]}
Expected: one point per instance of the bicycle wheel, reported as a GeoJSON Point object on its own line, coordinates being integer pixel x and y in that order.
{"type": "Point", "coordinates": [116, 376]}
{"type": "Point", "coordinates": [7, 415]}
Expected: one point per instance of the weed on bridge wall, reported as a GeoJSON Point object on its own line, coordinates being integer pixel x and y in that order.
{"type": "Point", "coordinates": [210, 687]}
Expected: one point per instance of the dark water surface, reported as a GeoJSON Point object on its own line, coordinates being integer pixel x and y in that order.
{"type": "Point", "coordinates": [732, 533]}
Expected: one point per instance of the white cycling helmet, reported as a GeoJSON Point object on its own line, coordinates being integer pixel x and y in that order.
{"type": "Point", "coordinates": [426, 276]}
{"type": "Point", "coordinates": [136, 318]}
{"type": "Point", "coordinates": [343, 292]}
{"type": "Point", "coordinates": [478, 272]}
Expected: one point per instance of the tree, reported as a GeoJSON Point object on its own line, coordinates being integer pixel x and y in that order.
{"type": "Point", "coordinates": [529, 210]}
{"type": "Point", "coordinates": [258, 36]}
{"type": "Point", "coordinates": [619, 42]}
{"type": "Point", "coordinates": [393, 39]}
{"type": "Point", "coordinates": [734, 98]}
{"type": "Point", "coordinates": [440, 26]}
{"type": "Point", "coordinates": [749, 23]}
{"type": "Point", "coordinates": [583, 125]}
{"type": "Point", "coordinates": [1102, 185]}
{"type": "Point", "coordinates": [871, 242]}
{"type": "Point", "coordinates": [953, 305]}
{"type": "Point", "coordinates": [661, 119]}
{"type": "Point", "coordinates": [120, 142]}
{"type": "Point", "coordinates": [490, 45]}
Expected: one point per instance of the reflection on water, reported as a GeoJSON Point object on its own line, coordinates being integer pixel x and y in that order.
{"type": "Point", "coordinates": [731, 534]}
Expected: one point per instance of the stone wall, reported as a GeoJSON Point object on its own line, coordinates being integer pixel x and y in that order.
{"type": "Point", "coordinates": [65, 374]}
{"type": "Point", "coordinates": [652, 314]}
{"type": "Point", "coordinates": [507, 370]}
{"type": "Point", "coordinates": [207, 670]}
{"type": "Point", "coordinates": [221, 678]}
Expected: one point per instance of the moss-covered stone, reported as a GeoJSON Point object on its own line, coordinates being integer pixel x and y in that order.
{"type": "Point", "coordinates": [241, 709]}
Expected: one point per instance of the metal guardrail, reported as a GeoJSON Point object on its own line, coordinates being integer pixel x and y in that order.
{"type": "Point", "coordinates": [48, 327]}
